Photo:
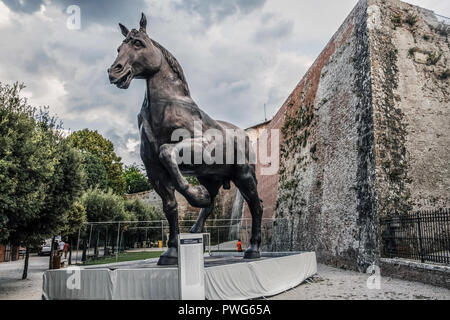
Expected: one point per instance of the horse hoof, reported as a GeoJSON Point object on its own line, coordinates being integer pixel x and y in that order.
{"type": "Point", "coordinates": [167, 261]}
{"type": "Point", "coordinates": [195, 229]}
{"type": "Point", "coordinates": [251, 254]}
{"type": "Point", "coordinates": [168, 258]}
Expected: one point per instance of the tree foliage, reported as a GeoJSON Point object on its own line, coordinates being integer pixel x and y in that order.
{"type": "Point", "coordinates": [40, 174]}
{"type": "Point", "coordinates": [76, 216]}
{"type": "Point", "coordinates": [141, 211]}
{"type": "Point", "coordinates": [26, 162]}
{"type": "Point", "coordinates": [96, 174]}
{"type": "Point", "coordinates": [66, 187]}
{"type": "Point", "coordinates": [94, 143]}
{"type": "Point", "coordinates": [135, 180]}
{"type": "Point", "coordinates": [104, 206]}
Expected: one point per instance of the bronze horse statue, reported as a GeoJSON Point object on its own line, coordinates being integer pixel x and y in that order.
{"type": "Point", "coordinates": [167, 107]}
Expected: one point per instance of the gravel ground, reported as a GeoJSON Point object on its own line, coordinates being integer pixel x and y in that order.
{"type": "Point", "coordinates": [336, 284]}
{"type": "Point", "coordinates": [11, 285]}
{"type": "Point", "coordinates": [329, 284]}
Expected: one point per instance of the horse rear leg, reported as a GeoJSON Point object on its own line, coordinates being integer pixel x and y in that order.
{"type": "Point", "coordinates": [213, 188]}
{"type": "Point", "coordinates": [247, 185]}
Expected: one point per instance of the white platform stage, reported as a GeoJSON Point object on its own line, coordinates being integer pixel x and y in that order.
{"type": "Point", "coordinates": [226, 278]}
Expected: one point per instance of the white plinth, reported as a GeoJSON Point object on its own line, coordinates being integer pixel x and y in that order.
{"type": "Point", "coordinates": [235, 281]}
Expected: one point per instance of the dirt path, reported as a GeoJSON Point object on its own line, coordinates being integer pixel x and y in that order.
{"type": "Point", "coordinates": [337, 284]}
{"type": "Point", "coordinates": [11, 285]}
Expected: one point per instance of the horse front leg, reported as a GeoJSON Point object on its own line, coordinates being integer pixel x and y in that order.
{"type": "Point", "coordinates": [163, 186]}
{"type": "Point", "coordinates": [170, 208]}
{"type": "Point", "coordinates": [197, 196]}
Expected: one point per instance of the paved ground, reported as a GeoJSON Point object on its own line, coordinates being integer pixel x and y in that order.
{"type": "Point", "coordinates": [11, 285]}
{"type": "Point", "coordinates": [336, 284]}
{"type": "Point", "coordinates": [330, 283]}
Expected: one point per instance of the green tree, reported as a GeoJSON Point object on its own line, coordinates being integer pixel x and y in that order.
{"type": "Point", "coordinates": [135, 180]}
{"type": "Point", "coordinates": [141, 231]}
{"type": "Point", "coordinates": [40, 175]}
{"type": "Point", "coordinates": [76, 217]}
{"type": "Point", "coordinates": [142, 211]}
{"type": "Point", "coordinates": [96, 174]}
{"type": "Point", "coordinates": [65, 186]}
{"type": "Point", "coordinates": [26, 163]}
{"type": "Point", "coordinates": [94, 143]}
{"type": "Point", "coordinates": [104, 206]}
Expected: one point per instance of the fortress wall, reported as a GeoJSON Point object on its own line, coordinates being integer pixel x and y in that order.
{"type": "Point", "coordinates": [364, 134]}
{"type": "Point", "coordinates": [326, 178]}
{"type": "Point", "coordinates": [410, 55]}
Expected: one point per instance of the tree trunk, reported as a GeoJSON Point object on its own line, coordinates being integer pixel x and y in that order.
{"type": "Point", "coordinates": [25, 267]}
{"type": "Point", "coordinates": [51, 253]}
{"type": "Point", "coordinates": [83, 256]}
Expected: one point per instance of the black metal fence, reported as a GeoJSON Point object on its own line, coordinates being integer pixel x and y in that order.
{"type": "Point", "coordinates": [423, 235]}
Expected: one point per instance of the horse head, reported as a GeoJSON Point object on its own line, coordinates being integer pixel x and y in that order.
{"type": "Point", "coordinates": [137, 57]}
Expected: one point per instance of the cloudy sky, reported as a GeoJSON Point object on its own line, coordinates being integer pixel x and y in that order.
{"type": "Point", "coordinates": [237, 55]}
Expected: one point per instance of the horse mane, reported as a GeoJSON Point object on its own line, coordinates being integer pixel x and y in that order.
{"type": "Point", "coordinates": [174, 65]}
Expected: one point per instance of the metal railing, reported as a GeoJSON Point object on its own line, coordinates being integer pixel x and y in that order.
{"type": "Point", "coordinates": [97, 240]}
{"type": "Point", "coordinates": [423, 236]}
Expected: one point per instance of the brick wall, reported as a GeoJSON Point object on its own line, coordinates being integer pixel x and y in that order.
{"type": "Point", "coordinates": [2, 252]}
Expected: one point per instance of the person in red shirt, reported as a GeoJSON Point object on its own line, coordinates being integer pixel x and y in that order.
{"type": "Point", "coordinates": [66, 249]}
{"type": "Point", "coordinates": [239, 246]}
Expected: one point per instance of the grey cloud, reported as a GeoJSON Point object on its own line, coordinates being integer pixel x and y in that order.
{"type": "Point", "coordinates": [215, 11]}
{"type": "Point", "coordinates": [120, 144]}
{"type": "Point", "coordinates": [281, 30]}
{"type": "Point", "coordinates": [29, 6]}
{"type": "Point", "coordinates": [92, 11]}
{"type": "Point", "coordinates": [231, 76]}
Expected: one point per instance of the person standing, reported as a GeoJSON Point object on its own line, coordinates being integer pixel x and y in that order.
{"type": "Point", "coordinates": [61, 247]}
{"type": "Point", "coordinates": [239, 246]}
{"type": "Point", "coordinates": [55, 248]}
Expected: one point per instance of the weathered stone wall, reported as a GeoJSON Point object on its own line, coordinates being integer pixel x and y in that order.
{"type": "Point", "coordinates": [364, 134]}
{"type": "Point", "coordinates": [410, 84]}
{"type": "Point", "coordinates": [326, 179]}
{"type": "Point", "coordinates": [436, 275]}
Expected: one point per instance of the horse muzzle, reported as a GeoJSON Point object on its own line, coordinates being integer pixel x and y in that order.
{"type": "Point", "coordinates": [123, 80]}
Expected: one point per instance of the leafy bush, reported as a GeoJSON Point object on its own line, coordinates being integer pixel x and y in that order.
{"type": "Point", "coordinates": [136, 181]}
{"type": "Point", "coordinates": [141, 211]}
{"type": "Point", "coordinates": [104, 206]}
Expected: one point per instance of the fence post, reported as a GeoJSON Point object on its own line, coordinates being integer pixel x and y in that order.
{"type": "Point", "coordinates": [78, 244]}
{"type": "Point", "coordinates": [419, 226]}
{"type": "Point", "coordinates": [162, 232]}
{"type": "Point", "coordinates": [89, 243]}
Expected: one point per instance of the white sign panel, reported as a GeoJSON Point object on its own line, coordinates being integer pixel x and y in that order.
{"type": "Point", "coordinates": [191, 272]}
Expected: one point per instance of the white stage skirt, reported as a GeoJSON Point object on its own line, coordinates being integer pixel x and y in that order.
{"type": "Point", "coordinates": [237, 281]}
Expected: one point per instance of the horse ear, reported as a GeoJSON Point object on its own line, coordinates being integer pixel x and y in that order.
{"type": "Point", "coordinates": [143, 23]}
{"type": "Point", "coordinates": [124, 30]}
